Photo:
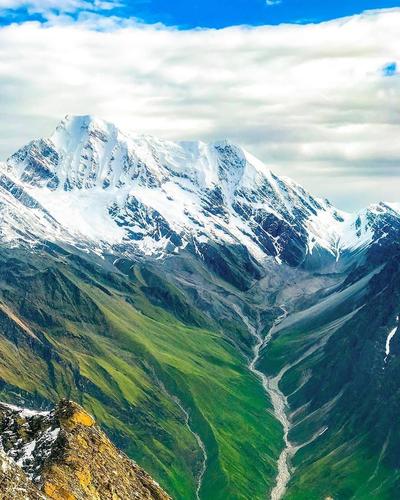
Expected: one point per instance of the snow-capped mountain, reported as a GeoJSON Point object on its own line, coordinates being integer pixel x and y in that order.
{"type": "Point", "coordinates": [23, 218]}
{"type": "Point", "coordinates": [90, 182]}
{"type": "Point", "coordinates": [151, 345]}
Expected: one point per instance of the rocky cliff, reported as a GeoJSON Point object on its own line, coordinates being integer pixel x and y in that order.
{"type": "Point", "coordinates": [64, 455]}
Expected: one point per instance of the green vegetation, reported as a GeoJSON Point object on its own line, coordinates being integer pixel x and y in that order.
{"type": "Point", "coordinates": [343, 395]}
{"type": "Point", "coordinates": [124, 345]}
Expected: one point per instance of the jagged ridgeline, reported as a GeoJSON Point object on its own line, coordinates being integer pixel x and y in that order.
{"type": "Point", "coordinates": [63, 455]}
{"type": "Point", "coordinates": [234, 335]}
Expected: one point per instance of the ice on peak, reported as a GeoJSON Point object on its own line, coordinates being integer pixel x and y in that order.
{"type": "Point", "coordinates": [74, 130]}
{"type": "Point", "coordinates": [85, 151]}
{"type": "Point", "coordinates": [112, 186]}
{"type": "Point", "coordinates": [73, 123]}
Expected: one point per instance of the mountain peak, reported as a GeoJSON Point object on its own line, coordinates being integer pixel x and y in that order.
{"type": "Point", "coordinates": [73, 127]}
{"type": "Point", "coordinates": [157, 196]}
{"type": "Point", "coordinates": [86, 152]}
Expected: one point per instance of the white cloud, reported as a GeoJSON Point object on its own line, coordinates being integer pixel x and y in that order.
{"type": "Point", "coordinates": [48, 8]}
{"type": "Point", "coordinates": [309, 100]}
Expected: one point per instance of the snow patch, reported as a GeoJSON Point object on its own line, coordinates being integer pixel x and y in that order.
{"type": "Point", "coordinates": [389, 339]}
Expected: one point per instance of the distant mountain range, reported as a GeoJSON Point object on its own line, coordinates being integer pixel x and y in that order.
{"type": "Point", "coordinates": [233, 334]}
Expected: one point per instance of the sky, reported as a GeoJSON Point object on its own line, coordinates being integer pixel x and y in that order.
{"type": "Point", "coordinates": [197, 13]}
{"type": "Point", "coordinates": [313, 94]}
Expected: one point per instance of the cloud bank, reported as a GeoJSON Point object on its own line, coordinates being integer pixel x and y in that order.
{"type": "Point", "coordinates": [315, 102]}
{"type": "Point", "coordinates": [60, 6]}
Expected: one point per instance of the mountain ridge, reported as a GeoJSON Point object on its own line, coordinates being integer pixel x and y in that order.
{"type": "Point", "coordinates": [159, 197]}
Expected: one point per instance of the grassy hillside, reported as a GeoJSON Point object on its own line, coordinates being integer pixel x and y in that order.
{"type": "Point", "coordinates": [342, 390]}
{"type": "Point", "coordinates": [126, 346]}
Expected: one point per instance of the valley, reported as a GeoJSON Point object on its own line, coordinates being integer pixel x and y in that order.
{"type": "Point", "coordinates": [235, 335]}
{"type": "Point", "coordinates": [277, 398]}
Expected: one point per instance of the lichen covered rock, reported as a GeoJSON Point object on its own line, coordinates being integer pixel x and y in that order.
{"type": "Point", "coordinates": [63, 455]}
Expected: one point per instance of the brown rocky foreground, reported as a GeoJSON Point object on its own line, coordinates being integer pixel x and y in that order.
{"type": "Point", "coordinates": [64, 455]}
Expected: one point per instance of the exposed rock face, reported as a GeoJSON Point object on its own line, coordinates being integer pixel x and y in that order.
{"type": "Point", "coordinates": [63, 455]}
{"type": "Point", "coordinates": [14, 484]}
{"type": "Point", "coordinates": [131, 193]}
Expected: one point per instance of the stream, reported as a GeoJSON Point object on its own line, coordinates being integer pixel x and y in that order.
{"type": "Point", "coordinates": [203, 468]}
{"type": "Point", "coordinates": [200, 443]}
{"type": "Point", "coordinates": [278, 399]}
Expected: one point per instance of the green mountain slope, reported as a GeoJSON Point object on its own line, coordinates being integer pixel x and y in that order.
{"type": "Point", "coordinates": [132, 349]}
{"type": "Point", "coordinates": [341, 387]}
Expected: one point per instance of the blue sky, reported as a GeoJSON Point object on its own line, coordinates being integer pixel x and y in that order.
{"type": "Point", "coordinates": [188, 14]}
{"type": "Point", "coordinates": [222, 13]}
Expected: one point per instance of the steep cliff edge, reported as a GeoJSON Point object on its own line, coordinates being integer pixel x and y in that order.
{"type": "Point", "coordinates": [64, 455]}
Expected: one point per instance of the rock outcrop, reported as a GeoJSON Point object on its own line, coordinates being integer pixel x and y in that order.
{"type": "Point", "coordinates": [64, 455]}
{"type": "Point", "coordinates": [14, 484]}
